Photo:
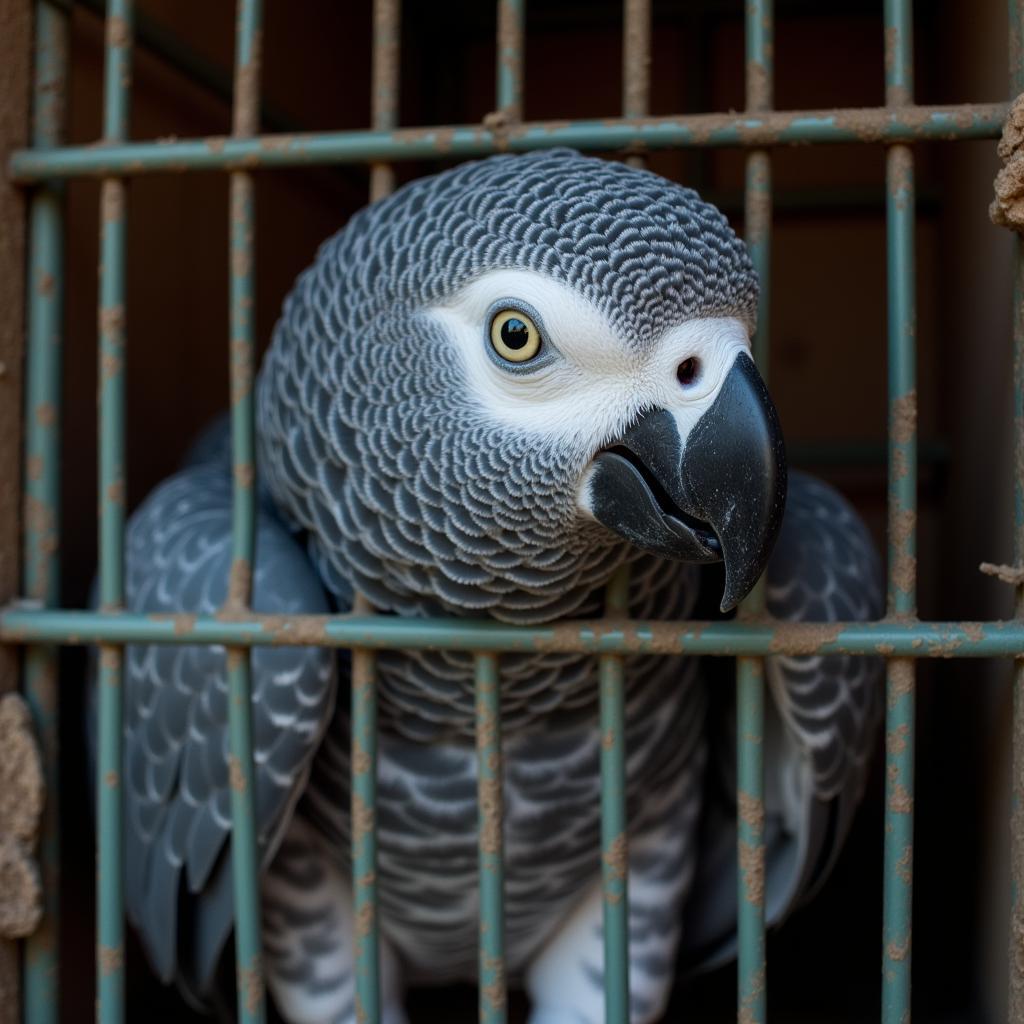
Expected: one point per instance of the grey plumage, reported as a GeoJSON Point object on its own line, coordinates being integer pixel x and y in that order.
{"type": "Point", "coordinates": [376, 449]}
{"type": "Point", "coordinates": [382, 472]}
{"type": "Point", "coordinates": [178, 819]}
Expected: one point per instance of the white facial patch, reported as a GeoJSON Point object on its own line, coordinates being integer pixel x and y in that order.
{"type": "Point", "coordinates": [595, 386]}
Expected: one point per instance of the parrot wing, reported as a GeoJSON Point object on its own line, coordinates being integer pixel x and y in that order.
{"type": "Point", "coordinates": [178, 885]}
{"type": "Point", "coordinates": [821, 725]}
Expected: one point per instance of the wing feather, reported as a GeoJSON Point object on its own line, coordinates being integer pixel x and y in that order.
{"type": "Point", "coordinates": [820, 727]}
{"type": "Point", "coordinates": [178, 552]}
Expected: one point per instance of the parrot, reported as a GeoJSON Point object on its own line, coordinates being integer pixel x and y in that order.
{"type": "Point", "coordinates": [491, 391]}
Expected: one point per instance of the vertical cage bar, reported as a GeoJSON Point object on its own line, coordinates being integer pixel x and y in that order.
{"type": "Point", "coordinates": [902, 504]}
{"type": "Point", "coordinates": [244, 847]}
{"type": "Point", "coordinates": [751, 994]}
{"type": "Point", "coordinates": [636, 63]}
{"type": "Point", "coordinates": [511, 36]}
{"type": "Point", "coordinates": [1016, 999]}
{"type": "Point", "coordinates": [614, 836]}
{"type": "Point", "coordinates": [111, 374]}
{"type": "Point", "coordinates": [751, 980]}
{"type": "Point", "coordinates": [387, 38]}
{"type": "Point", "coordinates": [491, 811]}
{"type": "Point", "coordinates": [41, 513]}
{"type": "Point", "coordinates": [364, 827]}
{"type": "Point", "coordinates": [636, 58]}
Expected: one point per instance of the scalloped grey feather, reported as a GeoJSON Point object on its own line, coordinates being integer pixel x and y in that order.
{"type": "Point", "coordinates": [378, 474]}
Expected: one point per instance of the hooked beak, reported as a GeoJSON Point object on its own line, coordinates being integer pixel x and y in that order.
{"type": "Point", "coordinates": [718, 497]}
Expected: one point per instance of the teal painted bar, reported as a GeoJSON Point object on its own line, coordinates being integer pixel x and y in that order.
{"type": "Point", "coordinates": [245, 860]}
{"type": "Point", "coordinates": [41, 552]}
{"type": "Point", "coordinates": [751, 967]}
{"type": "Point", "coordinates": [978, 121]}
{"type": "Point", "coordinates": [751, 996]}
{"type": "Point", "coordinates": [902, 602]}
{"type": "Point", "coordinates": [636, 58]}
{"type": "Point", "coordinates": [242, 344]}
{"type": "Point", "coordinates": [364, 835]}
{"type": "Point", "coordinates": [110, 946]}
{"type": "Point", "coordinates": [387, 38]}
{"type": "Point", "coordinates": [511, 32]}
{"type": "Point", "coordinates": [614, 837]}
{"type": "Point", "coordinates": [490, 842]}
{"type": "Point", "coordinates": [110, 940]}
{"type": "Point", "coordinates": [24, 625]}
{"type": "Point", "coordinates": [387, 41]}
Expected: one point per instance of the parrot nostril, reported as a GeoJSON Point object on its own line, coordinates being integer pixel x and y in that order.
{"type": "Point", "coordinates": [688, 371]}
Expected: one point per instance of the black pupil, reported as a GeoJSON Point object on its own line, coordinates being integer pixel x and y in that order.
{"type": "Point", "coordinates": [514, 333]}
{"type": "Point", "coordinates": [687, 371]}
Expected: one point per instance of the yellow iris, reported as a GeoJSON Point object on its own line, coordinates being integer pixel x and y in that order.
{"type": "Point", "coordinates": [514, 336]}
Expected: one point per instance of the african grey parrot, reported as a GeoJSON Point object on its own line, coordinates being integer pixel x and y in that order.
{"type": "Point", "coordinates": [490, 391]}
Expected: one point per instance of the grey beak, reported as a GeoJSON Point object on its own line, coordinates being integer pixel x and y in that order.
{"type": "Point", "coordinates": [719, 497]}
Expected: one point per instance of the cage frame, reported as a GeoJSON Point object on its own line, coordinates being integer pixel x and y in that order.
{"type": "Point", "coordinates": [38, 623]}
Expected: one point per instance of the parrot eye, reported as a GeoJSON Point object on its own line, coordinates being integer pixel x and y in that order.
{"type": "Point", "coordinates": [514, 336]}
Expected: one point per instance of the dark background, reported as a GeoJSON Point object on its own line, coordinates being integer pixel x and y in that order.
{"type": "Point", "coordinates": [828, 328]}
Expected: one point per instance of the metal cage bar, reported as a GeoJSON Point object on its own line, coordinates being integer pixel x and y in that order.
{"type": "Point", "coordinates": [387, 39]}
{"type": "Point", "coordinates": [889, 638]}
{"type": "Point", "coordinates": [751, 983]}
{"type": "Point", "coordinates": [363, 706]}
{"type": "Point", "coordinates": [110, 973]}
{"type": "Point", "coordinates": [511, 57]}
{"type": "Point", "coordinates": [245, 860]}
{"type": "Point", "coordinates": [774, 128]}
{"type": "Point", "coordinates": [492, 974]}
{"type": "Point", "coordinates": [490, 842]}
{"type": "Point", "coordinates": [363, 810]}
{"type": "Point", "coordinates": [636, 62]}
{"type": "Point", "coordinates": [41, 562]}
{"type": "Point", "coordinates": [902, 529]}
{"type": "Point", "coordinates": [614, 837]}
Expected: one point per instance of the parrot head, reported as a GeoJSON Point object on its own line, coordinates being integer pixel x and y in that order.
{"type": "Point", "coordinates": [499, 383]}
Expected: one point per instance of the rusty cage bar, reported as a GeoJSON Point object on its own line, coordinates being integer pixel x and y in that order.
{"type": "Point", "coordinates": [41, 626]}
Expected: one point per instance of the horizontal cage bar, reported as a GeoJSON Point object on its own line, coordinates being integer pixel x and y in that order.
{"type": "Point", "coordinates": [870, 124]}
{"type": "Point", "coordinates": [886, 638]}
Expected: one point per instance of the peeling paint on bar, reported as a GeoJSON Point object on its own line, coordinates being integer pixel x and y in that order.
{"type": "Point", "coordinates": [490, 842]}
{"type": "Point", "coordinates": [753, 638]}
{"type": "Point", "coordinates": [364, 833]}
{"type": "Point", "coordinates": [245, 859]}
{"type": "Point", "coordinates": [511, 33]}
{"type": "Point", "coordinates": [636, 58]}
{"type": "Point", "coordinates": [871, 124]}
{"type": "Point", "coordinates": [752, 971]}
{"type": "Point", "coordinates": [902, 508]}
{"type": "Point", "coordinates": [41, 512]}
{"type": "Point", "coordinates": [387, 40]}
{"type": "Point", "coordinates": [110, 972]}
{"type": "Point", "coordinates": [614, 839]}
{"type": "Point", "coordinates": [636, 65]}
{"type": "Point", "coordinates": [386, 64]}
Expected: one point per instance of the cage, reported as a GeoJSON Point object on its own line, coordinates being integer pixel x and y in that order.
{"type": "Point", "coordinates": [861, 178]}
